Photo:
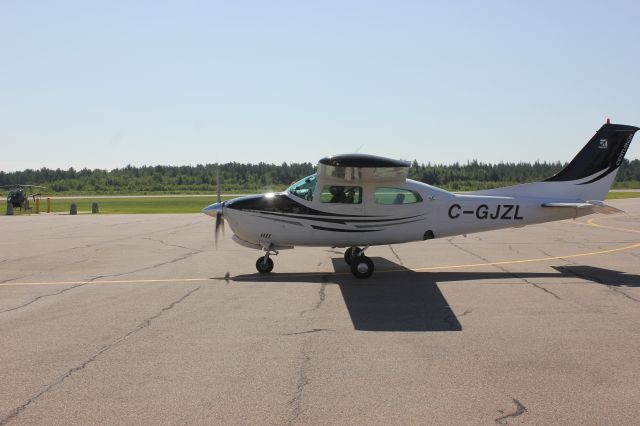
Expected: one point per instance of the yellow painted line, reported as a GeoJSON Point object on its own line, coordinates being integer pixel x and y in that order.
{"type": "Point", "coordinates": [162, 280]}
{"type": "Point", "coordinates": [591, 222]}
{"type": "Point", "coordinates": [430, 268]}
{"type": "Point", "coordinates": [539, 259]}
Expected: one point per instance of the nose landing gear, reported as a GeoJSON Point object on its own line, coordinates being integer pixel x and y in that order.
{"type": "Point", "coordinates": [361, 265]}
{"type": "Point", "coordinates": [264, 264]}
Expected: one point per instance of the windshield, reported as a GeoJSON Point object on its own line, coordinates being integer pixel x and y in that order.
{"type": "Point", "coordinates": [304, 188]}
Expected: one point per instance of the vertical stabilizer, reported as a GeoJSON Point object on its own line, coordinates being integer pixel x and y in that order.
{"type": "Point", "coordinates": [588, 176]}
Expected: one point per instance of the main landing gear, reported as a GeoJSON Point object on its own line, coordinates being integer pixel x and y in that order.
{"type": "Point", "coordinates": [361, 265]}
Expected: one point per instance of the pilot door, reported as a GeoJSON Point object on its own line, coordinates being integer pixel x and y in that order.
{"type": "Point", "coordinates": [341, 198]}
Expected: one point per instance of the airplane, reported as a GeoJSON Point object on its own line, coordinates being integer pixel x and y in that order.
{"type": "Point", "coordinates": [356, 201]}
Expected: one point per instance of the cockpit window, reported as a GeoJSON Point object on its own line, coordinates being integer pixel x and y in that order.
{"type": "Point", "coordinates": [396, 196]}
{"type": "Point", "coordinates": [304, 188]}
{"type": "Point", "coordinates": [341, 194]}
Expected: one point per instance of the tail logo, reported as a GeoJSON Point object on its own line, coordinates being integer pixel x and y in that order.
{"type": "Point", "coordinates": [624, 150]}
{"type": "Point", "coordinates": [603, 144]}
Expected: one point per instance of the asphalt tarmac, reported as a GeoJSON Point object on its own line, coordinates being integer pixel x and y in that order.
{"type": "Point", "coordinates": [138, 319]}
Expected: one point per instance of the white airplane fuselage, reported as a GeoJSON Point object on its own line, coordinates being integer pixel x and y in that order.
{"type": "Point", "coordinates": [439, 214]}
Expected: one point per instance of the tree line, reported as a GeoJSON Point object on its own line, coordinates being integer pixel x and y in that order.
{"type": "Point", "coordinates": [262, 177]}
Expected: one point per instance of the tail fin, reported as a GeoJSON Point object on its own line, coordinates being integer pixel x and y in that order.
{"type": "Point", "coordinates": [601, 156]}
{"type": "Point", "coordinates": [588, 176]}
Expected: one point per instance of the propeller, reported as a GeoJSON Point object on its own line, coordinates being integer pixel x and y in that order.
{"type": "Point", "coordinates": [216, 210]}
{"type": "Point", "coordinates": [219, 217]}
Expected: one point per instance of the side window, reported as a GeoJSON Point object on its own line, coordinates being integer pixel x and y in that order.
{"type": "Point", "coordinates": [395, 196]}
{"type": "Point", "coordinates": [341, 194]}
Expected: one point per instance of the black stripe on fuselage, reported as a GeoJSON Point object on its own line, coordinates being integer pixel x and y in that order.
{"type": "Point", "coordinates": [387, 224]}
{"type": "Point", "coordinates": [337, 219]}
{"type": "Point", "coordinates": [322, 228]}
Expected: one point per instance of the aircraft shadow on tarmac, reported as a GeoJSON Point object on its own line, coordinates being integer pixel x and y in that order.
{"type": "Point", "coordinates": [600, 275]}
{"type": "Point", "coordinates": [411, 301]}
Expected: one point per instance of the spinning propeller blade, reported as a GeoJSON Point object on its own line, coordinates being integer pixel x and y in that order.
{"type": "Point", "coordinates": [219, 217]}
{"type": "Point", "coordinates": [216, 210]}
{"type": "Point", "coordinates": [218, 184]}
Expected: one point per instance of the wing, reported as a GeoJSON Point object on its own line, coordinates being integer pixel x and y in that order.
{"type": "Point", "coordinates": [594, 205]}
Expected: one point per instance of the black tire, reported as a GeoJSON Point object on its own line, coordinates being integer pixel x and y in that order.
{"type": "Point", "coordinates": [262, 267]}
{"type": "Point", "coordinates": [348, 254]}
{"type": "Point", "coordinates": [362, 267]}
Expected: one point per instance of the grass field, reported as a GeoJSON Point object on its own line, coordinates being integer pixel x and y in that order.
{"type": "Point", "coordinates": [192, 204]}
{"type": "Point", "coordinates": [130, 205]}
{"type": "Point", "coordinates": [617, 195]}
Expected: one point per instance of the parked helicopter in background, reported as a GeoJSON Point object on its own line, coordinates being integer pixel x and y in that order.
{"type": "Point", "coordinates": [357, 201]}
{"type": "Point", "coordinates": [18, 198]}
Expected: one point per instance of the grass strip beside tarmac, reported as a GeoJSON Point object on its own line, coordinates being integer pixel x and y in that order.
{"type": "Point", "coordinates": [616, 195]}
{"type": "Point", "coordinates": [128, 205]}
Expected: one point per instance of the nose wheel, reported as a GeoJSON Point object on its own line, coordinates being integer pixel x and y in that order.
{"type": "Point", "coordinates": [264, 264]}
{"type": "Point", "coordinates": [361, 266]}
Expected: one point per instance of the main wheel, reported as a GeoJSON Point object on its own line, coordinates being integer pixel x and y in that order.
{"type": "Point", "coordinates": [348, 254]}
{"type": "Point", "coordinates": [362, 267]}
{"type": "Point", "coordinates": [264, 266]}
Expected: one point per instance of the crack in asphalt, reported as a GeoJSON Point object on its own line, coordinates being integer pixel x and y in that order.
{"type": "Point", "coordinates": [115, 240]}
{"type": "Point", "coordinates": [157, 265]}
{"type": "Point", "coordinates": [172, 245]}
{"type": "Point", "coordinates": [183, 227]}
{"type": "Point", "coordinates": [335, 252]}
{"type": "Point", "coordinates": [451, 319]}
{"type": "Point", "coordinates": [513, 274]}
{"type": "Point", "coordinates": [600, 281]}
{"type": "Point", "coordinates": [295, 403]}
{"type": "Point", "coordinates": [93, 279]}
{"type": "Point", "coordinates": [13, 279]}
{"type": "Point", "coordinates": [520, 409]}
{"type": "Point", "coordinates": [396, 255]}
{"type": "Point", "coordinates": [315, 330]}
{"type": "Point", "coordinates": [322, 295]}
{"type": "Point", "coordinates": [144, 324]}
{"type": "Point", "coordinates": [569, 261]}
{"type": "Point", "coordinates": [42, 296]}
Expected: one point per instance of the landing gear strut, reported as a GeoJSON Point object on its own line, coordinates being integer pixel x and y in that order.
{"type": "Point", "coordinates": [264, 264]}
{"type": "Point", "coordinates": [361, 265]}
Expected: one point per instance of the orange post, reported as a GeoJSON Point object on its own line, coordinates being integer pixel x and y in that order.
{"type": "Point", "coordinates": [37, 205]}
{"type": "Point", "coordinates": [48, 204]}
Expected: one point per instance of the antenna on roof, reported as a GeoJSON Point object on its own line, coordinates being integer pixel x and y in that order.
{"type": "Point", "coordinates": [608, 120]}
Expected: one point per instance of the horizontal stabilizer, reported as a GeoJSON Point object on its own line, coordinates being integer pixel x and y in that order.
{"type": "Point", "coordinates": [595, 205]}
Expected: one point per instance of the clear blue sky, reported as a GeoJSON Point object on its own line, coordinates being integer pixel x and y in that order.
{"type": "Point", "coordinates": [104, 84]}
